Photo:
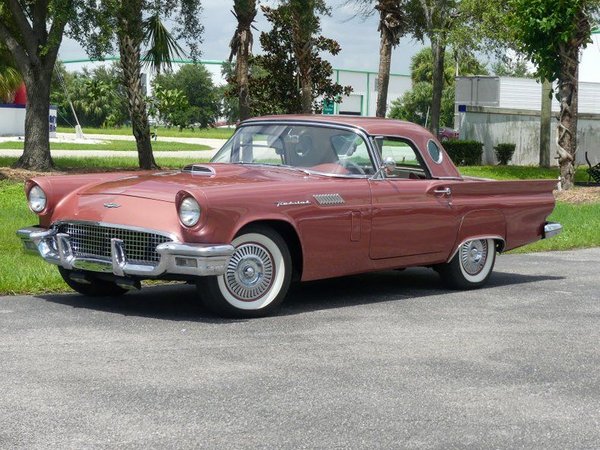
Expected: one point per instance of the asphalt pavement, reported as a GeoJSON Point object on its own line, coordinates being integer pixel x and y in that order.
{"type": "Point", "coordinates": [383, 360]}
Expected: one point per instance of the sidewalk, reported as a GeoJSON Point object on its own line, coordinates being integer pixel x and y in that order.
{"type": "Point", "coordinates": [200, 154]}
{"type": "Point", "coordinates": [214, 144]}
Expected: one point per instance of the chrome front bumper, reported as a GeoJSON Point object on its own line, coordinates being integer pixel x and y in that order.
{"type": "Point", "coordinates": [551, 229]}
{"type": "Point", "coordinates": [175, 258]}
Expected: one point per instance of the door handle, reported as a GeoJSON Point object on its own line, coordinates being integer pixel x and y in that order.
{"type": "Point", "coordinates": [443, 191]}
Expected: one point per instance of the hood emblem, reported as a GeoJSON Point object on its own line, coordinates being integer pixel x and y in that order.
{"type": "Point", "coordinates": [112, 205]}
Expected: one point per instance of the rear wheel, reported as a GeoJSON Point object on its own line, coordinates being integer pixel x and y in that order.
{"type": "Point", "coordinates": [257, 278]}
{"type": "Point", "coordinates": [472, 265]}
{"type": "Point", "coordinates": [93, 287]}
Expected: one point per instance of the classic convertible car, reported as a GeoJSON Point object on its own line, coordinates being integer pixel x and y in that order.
{"type": "Point", "coordinates": [286, 198]}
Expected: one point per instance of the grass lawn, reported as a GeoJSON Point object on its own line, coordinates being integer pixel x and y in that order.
{"type": "Point", "coordinates": [159, 146]}
{"type": "Point", "coordinates": [29, 274]}
{"type": "Point", "coordinates": [106, 163]}
{"type": "Point", "coordinates": [517, 172]}
{"type": "Point", "coordinates": [209, 133]}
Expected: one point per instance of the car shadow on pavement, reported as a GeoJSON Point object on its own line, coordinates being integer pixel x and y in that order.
{"type": "Point", "coordinates": [180, 302]}
{"type": "Point", "coordinates": [378, 287]}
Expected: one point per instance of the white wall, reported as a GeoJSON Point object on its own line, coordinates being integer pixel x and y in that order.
{"type": "Point", "coordinates": [12, 120]}
{"type": "Point", "coordinates": [493, 126]}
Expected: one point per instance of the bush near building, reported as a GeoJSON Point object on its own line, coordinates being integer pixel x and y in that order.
{"type": "Point", "coordinates": [504, 153]}
{"type": "Point", "coordinates": [464, 153]}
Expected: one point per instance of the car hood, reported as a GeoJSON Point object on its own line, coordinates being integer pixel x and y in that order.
{"type": "Point", "coordinates": [165, 185]}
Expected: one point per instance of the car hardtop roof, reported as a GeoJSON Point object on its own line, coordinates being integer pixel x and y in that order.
{"type": "Point", "coordinates": [374, 126]}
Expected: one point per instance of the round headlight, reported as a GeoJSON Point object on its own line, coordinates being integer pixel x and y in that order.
{"type": "Point", "coordinates": [37, 199]}
{"type": "Point", "coordinates": [189, 212]}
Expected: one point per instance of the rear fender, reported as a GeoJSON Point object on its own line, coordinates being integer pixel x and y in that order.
{"type": "Point", "coordinates": [481, 224]}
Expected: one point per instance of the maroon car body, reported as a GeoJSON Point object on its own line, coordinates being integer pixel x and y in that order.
{"type": "Point", "coordinates": [288, 197]}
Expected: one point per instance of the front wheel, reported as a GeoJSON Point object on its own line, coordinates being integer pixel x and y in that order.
{"type": "Point", "coordinates": [257, 278]}
{"type": "Point", "coordinates": [472, 265]}
{"type": "Point", "coordinates": [94, 287]}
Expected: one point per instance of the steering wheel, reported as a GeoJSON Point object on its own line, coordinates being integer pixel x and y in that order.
{"type": "Point", "coordinates": [351, 166]}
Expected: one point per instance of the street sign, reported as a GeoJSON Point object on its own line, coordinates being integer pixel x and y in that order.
{"type": "Point", "coordinates": [328, 107]}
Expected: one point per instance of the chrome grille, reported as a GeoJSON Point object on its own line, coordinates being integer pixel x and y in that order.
{"type": "Point", "coordinates": [92, 240]}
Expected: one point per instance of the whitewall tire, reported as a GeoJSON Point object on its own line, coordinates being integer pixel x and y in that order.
{"type": "Point", "coordinates": [257, 278]}
{"type": "Point", "coordinates": [471, 266]}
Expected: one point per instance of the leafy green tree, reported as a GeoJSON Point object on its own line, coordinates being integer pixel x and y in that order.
{"type": "Point", "coordinates": [241, 47]}
{"type": "Point", "coordinates": [32, 31]}
{"type": "Point", "coordinates": [512, 67]}
{"type": "Point", "coordinates": [278, 84]}
{"type": "Point", "coordinates": [414, 105]}
{"type": "Point", "coordinates": [434, 20]}
{"type": "Point", "coordinates": [98, 96]}
{"type": "Point", "coordinates": [10, 79]}
{"type": "Point", "coordinates": [552, 35]}
{"type": "Point", "coordinates": [131, 23]}
{"type": "Point", "coordinates": [171, 106]}
{"type": "Point", "coordinates": [421, 67]}
{"type": "Point", "coordinates": [195, 82]}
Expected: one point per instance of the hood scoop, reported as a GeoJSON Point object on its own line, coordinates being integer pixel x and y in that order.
{"type": "Point", "coordinates": [199, 169]}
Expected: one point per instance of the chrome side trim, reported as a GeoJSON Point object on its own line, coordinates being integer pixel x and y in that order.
{"type": "Point", "coordinates": [551, 229]}
{"type": "Point", "coordinates": [175, 257]}
{"type": "Point", "coordinates": [494, 237]}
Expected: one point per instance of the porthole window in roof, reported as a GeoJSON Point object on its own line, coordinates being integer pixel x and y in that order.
{"type": "Point", "coordinates": [434, 152]}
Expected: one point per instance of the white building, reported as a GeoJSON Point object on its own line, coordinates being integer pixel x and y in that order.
{"type": "Point", "coordinates": [361, 102]}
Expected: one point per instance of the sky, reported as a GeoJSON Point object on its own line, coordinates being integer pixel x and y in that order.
{"type": "Point", "coordinates": [357, 36]}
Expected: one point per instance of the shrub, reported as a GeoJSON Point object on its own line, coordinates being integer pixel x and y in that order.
{"type": "Point", "coordinates": [464, 153]}
{"type": "Point", "coordinates": [504, 153]}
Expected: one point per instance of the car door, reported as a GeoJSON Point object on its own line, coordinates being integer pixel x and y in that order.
{"type": "Point", "coordinates": [412, 214]}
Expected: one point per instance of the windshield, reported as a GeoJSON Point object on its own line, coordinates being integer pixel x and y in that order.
{"type": "Point", "coordinates": [309, 147]}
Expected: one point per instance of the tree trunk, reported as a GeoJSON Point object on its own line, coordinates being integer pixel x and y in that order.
{"type": "Point", "coordinates": [439, 52]}
{"type": "Point", "coordinates": [545, 123]}
{"type": "Point", "coordinates": [36, 154]}
{"type": "Point", "coordinates": [567, 127]}
{"type": "Point", "coordinates": [129, 50]}
{"type": "Point", "coordinates": [383, 76]}
{"type": "Point", "coordinates": [305, 88]}
{"type": "Point", "coordinates": [241, 73]}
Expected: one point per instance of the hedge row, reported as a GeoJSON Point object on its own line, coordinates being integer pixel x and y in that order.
{"type": "Point", "coordinates": [464, 153]}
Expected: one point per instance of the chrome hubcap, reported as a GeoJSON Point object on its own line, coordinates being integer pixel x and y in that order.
{"type": "Point", "coordinates": [473, 255]}
{"type": "Point", "coordinates": [250, 272]}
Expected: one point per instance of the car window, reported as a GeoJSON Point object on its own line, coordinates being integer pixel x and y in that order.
{"type": "Point", "coordinates": [408, 161]}
{"type": "Point", "coordinates": [321, 149]}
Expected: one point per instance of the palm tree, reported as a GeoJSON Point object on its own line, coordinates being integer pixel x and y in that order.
{"type": "Point", "coordinates": [391, 29]}
{"type": "Point", "coordinates": [10, 78]}
{"type": "Point", "coordinates": [241, 46]}
{"type": "Point", "coordinates": [130, 36]}
{"type": "Point", "coordinates": [162, 46]}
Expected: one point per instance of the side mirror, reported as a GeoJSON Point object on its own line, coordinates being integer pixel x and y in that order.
{"type": "Point", "coordinates": [389, 165]}
{"type": "Point", "coordinates": [387, 168]}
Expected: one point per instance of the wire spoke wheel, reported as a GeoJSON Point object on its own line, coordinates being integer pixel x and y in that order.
{"type": "Point", "coordinates": [250, 272]}
{"type": "Point", "coordinates": [471, 266]}
{"type": "Point", "coordinates": [473, 256]}
{"type": "Point", "coordinates": [257, 278]}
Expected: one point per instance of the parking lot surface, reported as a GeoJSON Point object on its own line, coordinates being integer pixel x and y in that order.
{"type": "Point", "coordinates": [384, 360]}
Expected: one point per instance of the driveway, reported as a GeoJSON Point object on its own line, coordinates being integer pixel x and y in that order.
{"type": "Point", "coordinates": [385, 360]}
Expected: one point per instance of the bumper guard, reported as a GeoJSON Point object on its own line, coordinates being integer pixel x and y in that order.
{"type": "Point", "coordinates": [551, 229]}
{"type": "Point", "coordinates": [175, 258]}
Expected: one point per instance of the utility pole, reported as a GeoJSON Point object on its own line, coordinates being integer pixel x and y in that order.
{"type": "Point", "coordinates": [545, 123]}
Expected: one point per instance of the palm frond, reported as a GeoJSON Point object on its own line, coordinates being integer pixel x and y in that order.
{"type": "Point", "coordinates": [10, 80]}
{"type": "Point", "coordinates": [162, 46]}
